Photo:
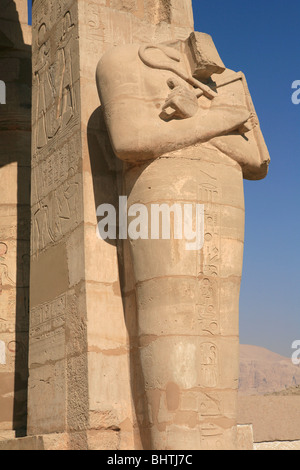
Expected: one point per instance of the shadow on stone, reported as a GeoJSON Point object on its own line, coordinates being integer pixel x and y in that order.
{"type": "Point", "coordinates": [107, 173]}
{"type": "Point", "coordinates": [15, 152]}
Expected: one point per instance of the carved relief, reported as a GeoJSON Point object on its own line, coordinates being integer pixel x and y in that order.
{"type": "Point", "coordinates": [207, 290]}
{"type": "Point", "coordinates": [211, 253]}
{"type": "Point", "coordinates": [210, 406]}
{"type": "Point", "coordinates": [7, 295]}
{"type": "Point", "coordinates": [17, 349]}
{"type": "Point", "coordinates": [25, 267]}
{"type": "Point", "coordinates": [46, 319]}
{"type": "Point", "coordinates": [207, 306]}
{"type": "Point", "coordinates": [211, 437]}
{"type": "Point", "coordinates": [47, 331]}
{"type": "Point", "coordinates": [41, 234]}
{"type": "Point", "coordinates": [209, 372]}
{"type": "Point", "coordinates": [95, 27]}
{"type": "Point", "coordinates": [57, 213]}
{"type": "Point", "coordinates": [53, 70]}
{"type": "Point", "coordinates": [46, 89]}
{"type": "Point", "coordinates": [2, 353]}
{"type": "Point", "coordinates": [4, 275]}
{"type": "Point", "coordinates": [209, 193]}
{"type": "Point", "coordinates": [6, 327]}
{"type": "Point", "coordinates": [66, 101]}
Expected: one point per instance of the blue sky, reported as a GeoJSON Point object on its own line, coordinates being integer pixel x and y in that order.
{"type": "Point", "coordinates": [262, 39]}
{"type": "Point", "coordinates": [29, 3]}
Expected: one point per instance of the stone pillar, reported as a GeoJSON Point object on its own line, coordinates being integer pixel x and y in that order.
{"type": "Point", "coordinates": [15, 138]}
{"type": "Point", "coordinates": [57, 355]}
{"type": "Point", "coordinates": [186, 329]}
{"type": "Point", "coordinates": [79, 351]}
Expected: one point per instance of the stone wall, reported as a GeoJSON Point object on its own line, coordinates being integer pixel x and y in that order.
{"type": "Point", "coordinates": [274, 418]}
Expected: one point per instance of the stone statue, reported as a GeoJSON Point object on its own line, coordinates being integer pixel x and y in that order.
{"type": "Point", "coordinates": [186, 129]}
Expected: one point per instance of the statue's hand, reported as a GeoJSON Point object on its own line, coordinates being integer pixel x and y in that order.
{"type": "Point", "coordinates": [230, 114]}
{"type": "Point", "coordinates": [182, 103]}
{"type": "Point", "coordinates": [249, 125]}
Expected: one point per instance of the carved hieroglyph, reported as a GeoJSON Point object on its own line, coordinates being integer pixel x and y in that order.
{"type": "Point", "coordinates": [187, 132]}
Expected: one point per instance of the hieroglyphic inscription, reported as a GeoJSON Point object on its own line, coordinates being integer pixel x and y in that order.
{"type": "Point", "coordinates": [210, 264]}
{"type": "Point", "coordinates": [208, 261]}
{"type": "Point", "coordinates": [2, 353]}
{"type": "Point", "coordinates": [47, 331]}
{"type": "Point", "coordinates": [209, 405]}
{"type": "Point", "coordinates": [46, 320]}
{"type": "Point", "coordinates": [5, 279]}
{"type": "Point", "coordinates": [211, 437]}
{"type": "Point", "coordinates": [95, 27]}
{"type": "Point", "coordinates": [208, 287]}
{"type": "Point", "coordinates": [56, 215]}
{"type": "Point", "coordinates": [208, 306]}
{"type": "Point", "coordinates": [208, 313]}
{"type": "Point", "coordinates": [209, 373]}
{"type": "Point", "coordinates": [7, 288]}
{"type": "Point", "coordinates": [7, 327]}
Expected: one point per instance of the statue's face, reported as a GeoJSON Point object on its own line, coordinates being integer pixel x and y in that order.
{"type": "Point", "coordinates": [42, 34]}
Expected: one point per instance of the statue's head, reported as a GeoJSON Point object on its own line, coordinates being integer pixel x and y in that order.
{"type": "Point", "coordinates": [3, 249]}
{"type": "Point", "coordinates": [67, 23]}
{"type": "Point", "coordinates": [42, 35]}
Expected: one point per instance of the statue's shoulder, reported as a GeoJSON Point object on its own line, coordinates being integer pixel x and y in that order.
{"type": "Point", "coordinates": [118, 57]}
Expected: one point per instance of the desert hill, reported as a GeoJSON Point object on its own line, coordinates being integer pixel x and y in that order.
{"type": "Point", "coordinates": [264, 372]}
